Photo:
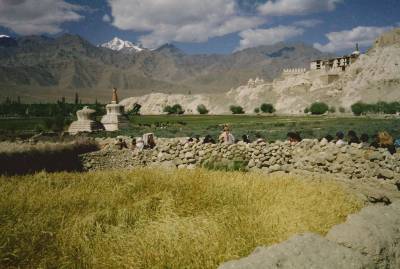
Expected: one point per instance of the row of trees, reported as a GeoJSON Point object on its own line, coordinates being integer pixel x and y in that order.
{"type": "Point", "coordinates": [15, 108]}
{"type": "Point", "coordinates": [202, 109]}
{"type": "Point", "coordinates": [360, 108]}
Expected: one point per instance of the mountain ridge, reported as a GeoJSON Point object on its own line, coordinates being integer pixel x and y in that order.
{"type": "Point", "coordinates": [40, 68]}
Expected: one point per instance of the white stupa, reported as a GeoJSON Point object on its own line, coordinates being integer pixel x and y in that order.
{"type": "Point", "coordinates": [85, 122]}
{"type": "Point", "coordinates": [357, 52]}
{"type": "Point", "coordinates": [115, 119]}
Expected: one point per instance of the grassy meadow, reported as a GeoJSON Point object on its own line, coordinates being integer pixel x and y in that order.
{"type": "Point", "coordinates": [157, 219]}
{"type": "Point", "coordinates": [270, 127]}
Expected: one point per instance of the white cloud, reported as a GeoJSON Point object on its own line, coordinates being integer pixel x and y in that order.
{"type": "Point", "coordinates": [177, 20]}
{"type": "Point", "coordinates": [36, 17]}
{"type": "Point", "coordinates": [253, 38]}
{"type": "Point", "coordinates": [343, 40]}
{"type": "Point", "coordinates": [308, 23]}
{"type": "Point", "coordinates": [296, 7]}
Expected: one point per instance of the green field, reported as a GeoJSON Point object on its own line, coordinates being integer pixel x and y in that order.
{"type": "Point", "coordinates": [270, 127]}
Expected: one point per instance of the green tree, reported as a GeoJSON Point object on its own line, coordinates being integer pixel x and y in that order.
{"type": "Point", "coordinates": [202, 109]}
{"type": "Point", "coordinates": [237, 110]}
{"type": "Point", "coordinates": [267, 108]}
{"type": "Point", "coordinates": [135, 110]}
{"type": "Point", "coordinates": [175, 109]}
{"type": "Point", "coordinates": [76, 98]}
{"type": "Point", "coordinates": [359, 108]}
{"type": "Point", "coordinates": [319, 108]}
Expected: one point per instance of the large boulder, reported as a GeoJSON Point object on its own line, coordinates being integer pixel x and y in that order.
{"type": "Point", "coordinates": [302, 251]}
{"type": "Point", "coordinates": [374, 232]}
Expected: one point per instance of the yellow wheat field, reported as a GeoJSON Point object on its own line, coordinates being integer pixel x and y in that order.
{"type": "Point", "coordinates": [156, 218]}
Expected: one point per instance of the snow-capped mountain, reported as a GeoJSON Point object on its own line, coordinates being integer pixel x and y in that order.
{"type": "Point", "coordinates": [118, 44]}
{"type": "Point", "coordinates": [7, 41]}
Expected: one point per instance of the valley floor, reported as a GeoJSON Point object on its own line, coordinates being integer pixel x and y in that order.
{"type": "Point", "coordinates": [270, 127]}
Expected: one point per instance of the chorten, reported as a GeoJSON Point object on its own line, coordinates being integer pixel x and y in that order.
{"type": "Point", "coordinates": [85, 122]}
{"type": "Point", "coordinates": [115, 118]}
{"type": "Point", "coordinates": [357, 52]}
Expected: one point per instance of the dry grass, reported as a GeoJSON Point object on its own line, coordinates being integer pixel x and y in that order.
{"type": "Point", "coordinates": [17, 159]}
{"type": "Point", "coordinates": [157, 219]}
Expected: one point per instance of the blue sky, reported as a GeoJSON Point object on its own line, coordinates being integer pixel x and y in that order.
{"type": "Point", "coordinates": [207, 26]}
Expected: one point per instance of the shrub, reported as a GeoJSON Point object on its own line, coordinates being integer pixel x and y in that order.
{"type": "Point", "coordinates": [175, 109]}
{"type": "Point", "coordinates": [237, 110]}
{"type": "Point", "coordinates": [332, 109]}
{"type": "Point", "coordinates": [319, 108]}
{"type": "Point", "coordinates": [257, 110]}
{"type": "Point", "coordinates": [380, 107]}
{"type": "Point", "coordinates": [135, 110]}
{"type": "Point", "coordinates": [359, 108]}
{"type": "Point", "coordinates": [342, 109]}
{"type": "Point", "coordinates": [307, 110]}
{"type": "Point", "coordinates": [202, 109]}
{"type": "Point", "coordinates": [267, 108]}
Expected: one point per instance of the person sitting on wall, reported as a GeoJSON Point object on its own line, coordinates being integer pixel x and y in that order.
{"type": "Point", "coordinates": [386, 142]}
{"type": "Point", "coordinates": [246, 139]}
{"type": "Point", "coordinates": [133, 144]}
{"type": "Point", "coordinates": [364, 138]}
{"type": "Point", "coordinates": [327, 139]}
{"type": "Point", "coordinates": [259, 138]}
{"type": "Point", "coordinates": [148, 140]}
{"type": "Point", "coordinates": [353, 138]}
{"type": "Point", "coordinates": [208, 140]}
{"type": "Point", "coordinates": [121, 144]}
{"type": "Point", "coordinates": [375, 141]}
{"type": "Point", "coordinates": [226, 136]}
{"type": "Point", "coordinates": [340, 139]}
{"type": "Point", "coordinates": [140, 144]}
{"type": "Point", "coordinates": [293, 137]}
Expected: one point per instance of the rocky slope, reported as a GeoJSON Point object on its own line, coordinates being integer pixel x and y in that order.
{"type": "Point", "coordinates": [375, 76]}
{"type": "Point", "coordinates": [39, 68]}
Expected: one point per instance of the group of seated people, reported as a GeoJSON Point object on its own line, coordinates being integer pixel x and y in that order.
{"type": "Point", "coordinates": [380, 140]}
{"type": "Point", "coordinates": [145, 142]}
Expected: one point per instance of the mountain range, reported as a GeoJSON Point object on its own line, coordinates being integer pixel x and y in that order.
{"type": "Point", "coordinates": [374, 76]}
{"type": "Point", "coordinates": [40, 68]}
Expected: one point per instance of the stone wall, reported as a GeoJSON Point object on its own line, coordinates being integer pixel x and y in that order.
{"type": "Point", "coordinates": [350, 161]}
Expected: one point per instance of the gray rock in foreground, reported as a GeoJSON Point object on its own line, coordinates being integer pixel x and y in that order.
{"type": "Point", "coordinates": [369, 239]}
{"type": "Point", "coordinates": [302, 252]}
{"type": "Point", "coordinates": [374, 232]}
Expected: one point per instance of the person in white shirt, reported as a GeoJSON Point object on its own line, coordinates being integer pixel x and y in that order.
{"type": "Point", "coordinates": [226, 136]}
{"type": "Point", "coordinates": [340, 139]}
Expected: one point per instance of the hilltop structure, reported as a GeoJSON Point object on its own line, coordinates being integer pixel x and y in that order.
{"type": "Point", "coordinates": [85, 122]}
{"type": "Point", "coordinates": [115, 119]}
{"type": "Point", "coordinates": [336, 64]}
{"type": "Point", "coordinates": [253, 83]}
